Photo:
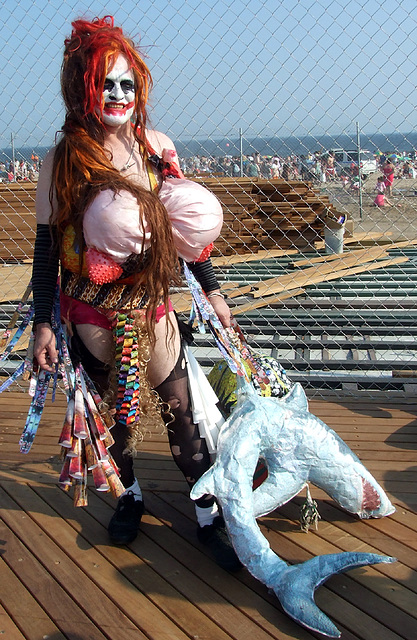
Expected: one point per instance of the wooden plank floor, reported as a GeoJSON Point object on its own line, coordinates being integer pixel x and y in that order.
{"type": "Point", "coordinates": [60, 577]}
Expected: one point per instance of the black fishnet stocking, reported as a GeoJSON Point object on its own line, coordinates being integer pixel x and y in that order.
{"type": "Point", "coordinates": [188, 449]}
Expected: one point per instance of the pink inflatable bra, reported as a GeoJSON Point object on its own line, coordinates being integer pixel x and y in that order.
{"type": "Point", "coordinates": [113, 229]}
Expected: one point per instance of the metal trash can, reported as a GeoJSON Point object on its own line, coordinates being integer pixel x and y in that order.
{"type": "Point", "coordinates": [334, 232]}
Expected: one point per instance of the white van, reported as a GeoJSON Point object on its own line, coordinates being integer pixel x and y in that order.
{"type": "Point", "coordinates": [344, 160]}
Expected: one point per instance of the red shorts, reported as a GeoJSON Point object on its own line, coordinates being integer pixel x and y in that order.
{"type": "Point", "coordinates": [79, 312]}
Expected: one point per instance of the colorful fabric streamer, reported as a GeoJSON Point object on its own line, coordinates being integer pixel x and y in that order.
{"type": "Point", "coordinates": [85, 436]}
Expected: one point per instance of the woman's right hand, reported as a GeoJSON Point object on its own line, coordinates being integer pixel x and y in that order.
{"type": "Point", "coordinates": [44, 351]}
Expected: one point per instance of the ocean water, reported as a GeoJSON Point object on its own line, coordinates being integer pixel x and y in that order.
{"type": "Point", "coordinates": [387, 143]}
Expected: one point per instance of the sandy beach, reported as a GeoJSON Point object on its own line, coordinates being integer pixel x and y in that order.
{"type": "Point", "coordinates": [400, 219]}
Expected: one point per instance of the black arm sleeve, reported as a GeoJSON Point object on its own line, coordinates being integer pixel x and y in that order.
{"type": "Point", "coordinates": [44, 272]}
{"type": "Point", "coordinates": [204, 273]}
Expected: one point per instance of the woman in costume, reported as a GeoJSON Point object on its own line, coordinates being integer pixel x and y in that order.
{"type": "Point", "coordinates": [99, 216]}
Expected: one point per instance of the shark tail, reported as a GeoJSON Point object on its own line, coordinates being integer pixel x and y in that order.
{"type": "Point", "coordinates": [297, 584]}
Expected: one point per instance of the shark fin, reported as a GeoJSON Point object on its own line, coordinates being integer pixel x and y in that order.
{"type": "Point", "coordinates": [296, 398]}
{"type": "Point", "coordinates": [204, 485]}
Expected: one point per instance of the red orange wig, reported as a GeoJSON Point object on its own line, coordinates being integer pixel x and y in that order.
{"type": "Point", "coordinates": [97, 44]}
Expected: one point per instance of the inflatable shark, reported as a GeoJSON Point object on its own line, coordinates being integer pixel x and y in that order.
{"type": "Point", "coordinates": [298, 449]}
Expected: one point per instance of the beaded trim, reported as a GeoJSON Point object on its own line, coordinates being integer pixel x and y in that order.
{"type": "Point", "coordinates": [103, 296]}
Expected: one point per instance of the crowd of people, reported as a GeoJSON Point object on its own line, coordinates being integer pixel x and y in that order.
{"type": "Point", "coordinates": [20, 170]}
{"type": "Point", "coordinates": [318, 167]}
{"type": "Point", "coordinates": [251, 166]}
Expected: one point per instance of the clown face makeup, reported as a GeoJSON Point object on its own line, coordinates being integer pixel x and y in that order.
{"type": "Point", "coordinates": [118, 94]}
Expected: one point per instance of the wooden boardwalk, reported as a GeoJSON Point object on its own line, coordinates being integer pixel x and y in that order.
{"type": "Point", "coordinates": [60, 577]}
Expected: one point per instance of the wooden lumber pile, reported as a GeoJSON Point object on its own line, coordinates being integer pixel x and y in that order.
{"type": "Point", "coordinates": [258, 215]}
{"type": "Point", "coordinates": [291, 213]}
{"type": "Point", "coordinates": [265, 214]}
{"type": "Point", "coordinates": [17, 221]}
{"type": "Point", "coordinates": [241, 231]}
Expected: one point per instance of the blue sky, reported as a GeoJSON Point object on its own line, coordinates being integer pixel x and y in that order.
{"type": "Point", "coordinates": [271, 68]}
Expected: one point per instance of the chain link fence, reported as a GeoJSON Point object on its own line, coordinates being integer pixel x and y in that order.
{"type": "Point", "coordinates": [289, 112]}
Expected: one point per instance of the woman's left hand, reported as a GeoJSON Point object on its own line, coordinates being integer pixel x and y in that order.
{"type": "Point", "coordinates": [222, 310]}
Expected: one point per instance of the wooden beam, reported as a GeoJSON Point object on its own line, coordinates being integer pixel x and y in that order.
{"type": "Point", "coordinates": [311, 274]}
{"type": "Point", "coordinates": [263, 254]}
{"type": "Point", "coordinates": [249, 306]}
{"type": "Point", "coordinates": [306, 280]}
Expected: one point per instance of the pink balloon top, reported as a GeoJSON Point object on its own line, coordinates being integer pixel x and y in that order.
{"type": "Point", "coordinates": [112, 222]}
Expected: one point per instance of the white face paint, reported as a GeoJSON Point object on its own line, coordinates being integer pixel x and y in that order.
{"type": "Point", "coordinates": [118, 93]}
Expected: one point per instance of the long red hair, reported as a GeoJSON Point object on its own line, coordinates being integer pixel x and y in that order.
{"type": "Point", "coordinates": [81, 168]}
